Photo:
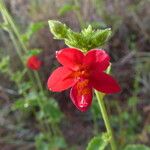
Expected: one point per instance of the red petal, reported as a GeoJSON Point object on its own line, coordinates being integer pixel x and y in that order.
{"type": "Point", "coordinates": [81, 99]}
{"type": "Point", "coordinates": [104, 83]}
{"type": "Point", "coordinates": [34, 63]}
{"type": "Point", "coordinates": [97, 59]}
{"type": "Point", "coordinates": [60, 80]}
{"type": "Point", "coordinates": [70, 57]}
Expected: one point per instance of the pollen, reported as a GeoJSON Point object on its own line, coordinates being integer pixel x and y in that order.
{"type": "Point", "coordinates": [82, 84]}
{"type": "Point", "coordinates": [82, 87]}
{"type": "Point", "coordinates": [81, 74]}
{"type": "Point", "coordinates": [85, 91]}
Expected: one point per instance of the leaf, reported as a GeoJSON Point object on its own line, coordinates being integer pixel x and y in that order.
{"type": "Point", "coordinates": [98, 142]}
{"type": "Point", "coordinates": [85, 40]}
{"type": "Point", "coordinates": [43, 142]}
{"type": "Point", "coordinates": [58, 29]}
{"type": "Point", "coordinates": [97, 25]}
{"type": "Point", "coordinates": [51, 111]}
{"type": "Point", "coordinates": [18, 76]}
{"type": "Point", "coordinates": [67, 8]}
{"type": "Point", "coordinates": [4, 64]}
{"type": "Point", "coordinates": [132, 101]}
{"type": "Point", "coordinates": [32, 28]}
{"type": "Point", "coordinates": [29, 101]}
{"type": "Point", "coordinates": [4, 26]}
{"type": "Point", "coordinates": [136, 147]}
{"type": "Point", "coordinates": [57, 143]}
{"type": "Point", "coordinates": [34, 51]}
{"type": "Point", "coordinates": [95, 109]}
{"type": "Point", "coordinates": [100, 37]}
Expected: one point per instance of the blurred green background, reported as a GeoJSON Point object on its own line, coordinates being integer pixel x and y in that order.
{"type": "Point", "coordinates": [129, 48]}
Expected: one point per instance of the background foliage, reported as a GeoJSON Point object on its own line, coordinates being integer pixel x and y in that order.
{"type": "Point", "coordinates": [21, 118]}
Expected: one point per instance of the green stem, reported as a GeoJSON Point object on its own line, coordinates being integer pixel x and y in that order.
{"type": "Point", "coordinates": [8, 19]}
{"type": "Point", "coordinates": [12, 24]}
{"type": "Point", "coordinates": [39, 82]}
{"type": "Point", "coordinates": [78, 14]}
{"type": "Point", "coordinates": [43, 102]}
{"type": "Point", "coordinates": [15, 35]}
{"type": "Point", "coordinates": [15, 43]}
{"type": "Point", "coordinates": [106, 119]}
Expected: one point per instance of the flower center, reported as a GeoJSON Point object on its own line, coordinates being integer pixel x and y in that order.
{"type": "Point", "coordinates": [81, 73]}
{"type": "Point", "coordinates": [83, 87]}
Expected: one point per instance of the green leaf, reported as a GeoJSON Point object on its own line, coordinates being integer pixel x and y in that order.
{"type": "Point", "coordinates": [67, 8]}
{"type": "Point", "coordinates": [108, 69]}
{"type": "Point", "coordinates": [54, 143]}
{"type": "Point", "coordinates": [34, 51]}
{"type": "Point", "coordinates": [132, 101]}
{"type": "Point", "coordinates": [100, 37]}
{"type": "Point", "coordinates": [4, 26]}
{"type": "Point", "coordinates": [32, 28]}
{"type": "Point", "coordinates": [57, 143]}
{"type": "Point", "coordinates": [4, 64]}
{"type": "Point", "coordinates": [58, 29]}
{"type": "Point", "coordinates": [95, 109]}
{"type": "Point", "coordinates": [18, 76]}
{"type": "Point", "coordinates": [136, 147]}
{"type": "Point", "coordinates": [51, 111]}
{"type": "Point", "coordinates": [98, 142]}
{"type": "Point", "coordinates": [41, 143]}
{"type": "Point", "coordinates": [27, 102]}
{"type": "Point", "coordinates": [85, 40]}
{"type": "Point", "coordinates": [97, 25]}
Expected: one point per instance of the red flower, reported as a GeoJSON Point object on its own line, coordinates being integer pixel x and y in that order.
{"type": "Point", "coordinates": [82, 72]}
{"type": "Point", "coordinates": [34, 63]}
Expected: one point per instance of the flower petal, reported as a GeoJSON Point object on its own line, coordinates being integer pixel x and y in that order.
{"type": "Point", "coordinates": [104, 83]}
{"type": "Point", "coordinates": [60, 80]}
{"type": "Point", "coordinates": [34, 63]}
{"type": "Point", "coordinates": [70, 57]}
{"type": "Point", "coordinates": [97, 58]}
{"type": "Point", "coordinates": [81, 99]}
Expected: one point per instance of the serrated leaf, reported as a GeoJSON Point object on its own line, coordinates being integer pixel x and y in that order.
{"type": "Point", "coordinates": [85, 40]}
{"type": "Point", "coordinates": [137, 147]}
{"type": "Point", "coordinates": [58, 29]}
{"type": "Point", "coordinates": [67, 8]}
{"type": "Point", "coordinates": [98, 142]}
{"type": "Point", "coordinates": [100, 37]}
{"type": "Point", "coordinates": [97, 25]}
